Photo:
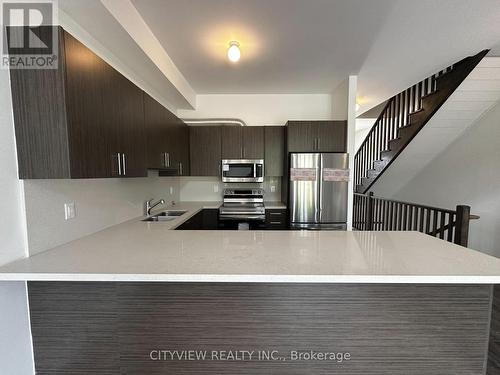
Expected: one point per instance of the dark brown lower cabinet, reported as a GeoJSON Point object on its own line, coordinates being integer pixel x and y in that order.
{"type": "Point", "coordinates": [276, 219]}
{"type": "Point", "coordinates": [206, 219]}
{"type": "Point", "coordinates": [378, 329]}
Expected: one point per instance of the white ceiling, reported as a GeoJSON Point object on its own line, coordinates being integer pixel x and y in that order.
{"type": "Point", "coordinates": [288, 46]}
{"type": "Point", "coordinates": [310, 46]}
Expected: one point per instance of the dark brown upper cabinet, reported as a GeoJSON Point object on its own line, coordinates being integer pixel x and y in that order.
{"type": "Point", "coordinates": [205, 150]}
{"type": "Point", "coordinates": [167, 139]}
{"type": "Point", "coordinates": [82, 120]}
{"type": "Point", "coordinates": [274, 137]}
{"type": "Point", "coordinates": [242, 142]}
{"type": "Point", "coordinates": [317, 136]}
{"type": "Point", "coordinates": [231, 142]}
{"type": "Point", "coordinates": [253, 142]}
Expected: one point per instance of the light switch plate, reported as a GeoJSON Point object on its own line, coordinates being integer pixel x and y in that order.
{"type": "Point", "coordinates": [69, 210]}
{"type": "Point", "coordinates": [273, 189]}
{"type": "Point", "coordinates": [216, 188]}
{"type": "Point", "coordinates": [171, 190]}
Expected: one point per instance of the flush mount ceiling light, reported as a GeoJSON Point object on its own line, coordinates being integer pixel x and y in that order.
{"type": "Point", "coordinates": [233, 53]}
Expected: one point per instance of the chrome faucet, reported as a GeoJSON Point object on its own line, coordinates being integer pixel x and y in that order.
{"type": "Point", "coordinates": [149, 205]}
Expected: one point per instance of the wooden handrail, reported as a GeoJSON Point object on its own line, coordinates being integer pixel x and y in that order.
{"type": "Point", "coordinates": [376, 213]}
{"type": "Point", "coordinates": [402, 117]}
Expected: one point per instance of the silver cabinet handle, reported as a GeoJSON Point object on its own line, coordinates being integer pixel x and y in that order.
{"type": "Point", "coordinates": [124, 165]}
{"type": "Point", "coordinates": [167, 159]}
{"type": "Point", "coordinates": [164, 154]}
{"type": "Point", "coordinates": [180, 169]}
{"type": "Point", "coordinates": [119, 156]}
{"type": "Point", "coordinates": [276, 222]}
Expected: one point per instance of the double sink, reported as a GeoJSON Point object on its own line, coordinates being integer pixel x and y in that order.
{"type": "Point", "coordinates": [165, 216]}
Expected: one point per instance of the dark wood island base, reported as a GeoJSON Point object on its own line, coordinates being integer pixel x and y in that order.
{"type": "Point", "coordinates": [259, 328]}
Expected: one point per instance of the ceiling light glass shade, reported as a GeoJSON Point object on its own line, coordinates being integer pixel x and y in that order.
{"type": "Point", "coordinates": [233, 53]}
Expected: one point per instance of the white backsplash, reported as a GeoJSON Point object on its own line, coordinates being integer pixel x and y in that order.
{"type": "Point", "coordinates": [211, 188]}
{"type": "Point", "coordinates": [99, 203]}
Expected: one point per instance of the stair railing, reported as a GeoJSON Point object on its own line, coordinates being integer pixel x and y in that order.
{"type": "Point", "coordinates": [394, 116]}
{"type": "Point", "coordinates": [380, 214]}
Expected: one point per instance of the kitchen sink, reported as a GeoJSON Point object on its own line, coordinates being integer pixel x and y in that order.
{"type": "Point", "coordinates": [165, 216]}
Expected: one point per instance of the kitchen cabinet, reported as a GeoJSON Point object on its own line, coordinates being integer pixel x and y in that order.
{"type": "Point", "coordinates": [276, 219]}
{"type": "Point", "coordinates": [205, 150]}
{"type": "Point", "coordinates": [206, 219]}
{"type": "Point", "coordinates": [253, 142]}
{"type": "Point", "coordinates": [332, 136]}
{"type": "Point", "coordinates": [317, 136]}
{"type": "Point", "coordinates": [82, 120]}
{"type": "Point", "coordinates": [274, 145]}
{"type": "Point", "coordinates": [210, 219]}
{"type": "Point", "coordinates": [167, 139]}
{"type": "Point", "coordinates": [231, 142]}
{"type": "Point", "coordinates": [128, 127]}
{"type": "Point", "coordinates": [181, 147]}
{"type": "Point", "coordinates": [195, 222]}
{"type": "Point", "coordinates": [242, 142]}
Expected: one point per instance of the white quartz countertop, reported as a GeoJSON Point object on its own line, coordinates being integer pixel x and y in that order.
{"type": "Point", "coordinates": [151, 251]}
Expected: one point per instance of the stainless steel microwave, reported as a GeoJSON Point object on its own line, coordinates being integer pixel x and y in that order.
{"type": "Point", "coordinates": [242, 170]}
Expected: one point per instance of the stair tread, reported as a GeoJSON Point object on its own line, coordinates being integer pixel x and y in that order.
{"type": "Point", "coordinates": [430, 94]}
{"type": "Point", "coordinates": [445, 85]}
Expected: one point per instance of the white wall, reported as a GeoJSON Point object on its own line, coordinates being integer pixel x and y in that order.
{"type": "Point", "coordinates": [262, 109]}
{"type": "Point", "coordinates": [199, 189]}
{"type": "Point", "coordinates": [340, 103]}
{"type": "Point", "coordinates": [99, 203]}
{"type": "Point", "coordinates": [467, 172]}
{"type": "Point", "coordinates": [363, 126]}
{"type": "Point", "coordinates": [15, 338]}
{"type": "Point", "coordinates": [351, 135]}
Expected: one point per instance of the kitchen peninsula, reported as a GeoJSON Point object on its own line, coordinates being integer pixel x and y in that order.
{"type": "Point", "coordinates": [397, 302]}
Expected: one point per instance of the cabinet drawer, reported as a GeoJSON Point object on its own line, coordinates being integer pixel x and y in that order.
{"type": "Point", "coordinates": [276, 219]}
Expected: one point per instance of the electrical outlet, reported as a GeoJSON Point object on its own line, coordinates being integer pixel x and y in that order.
{"type": "Point", "coordinates": [171, 190]}
{"type": "Point", "coordinates": [69, 211]}
{"type": "Point", "coordinates": [216, 188]}
{"type": "Point", "coordinates": [273, 189]}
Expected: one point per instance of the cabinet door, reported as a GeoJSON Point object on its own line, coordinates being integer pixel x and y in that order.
{"type": "Point", "coordinates": [253, 142]}
{"type": "Point", "coordinates": [210, 219]}
{"type": "Point", "coordinates": [231, 142]}
{"type": "Point", "coordinates": [155, 123]}
{"type": "Point", "coordinates": [130, 127]}
{"type": "Point", "coordinates": [205, 150]}
{"type": "Point", "coordinates": [90, 111]}
{"type": "Point", "coordinates": [274, 156]}
{"type": "Point", "coordinates": [276, 219]}
{"type": "Point", "coordinates": [301, 136]}
{"type": "Point", "coordinates": [331, 136]}
{"type": "Point", "coordinates": [181, 147]}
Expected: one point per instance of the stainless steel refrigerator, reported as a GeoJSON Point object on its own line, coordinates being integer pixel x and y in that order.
{"type": "Point", "coordinates": [318, 191]}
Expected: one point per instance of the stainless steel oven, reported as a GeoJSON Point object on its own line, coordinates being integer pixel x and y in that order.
{"type": "Point", "coordinates": [243, 170]}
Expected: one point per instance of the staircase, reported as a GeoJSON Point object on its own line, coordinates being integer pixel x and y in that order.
{"type": "Point", "coordinates": [404, 115]}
